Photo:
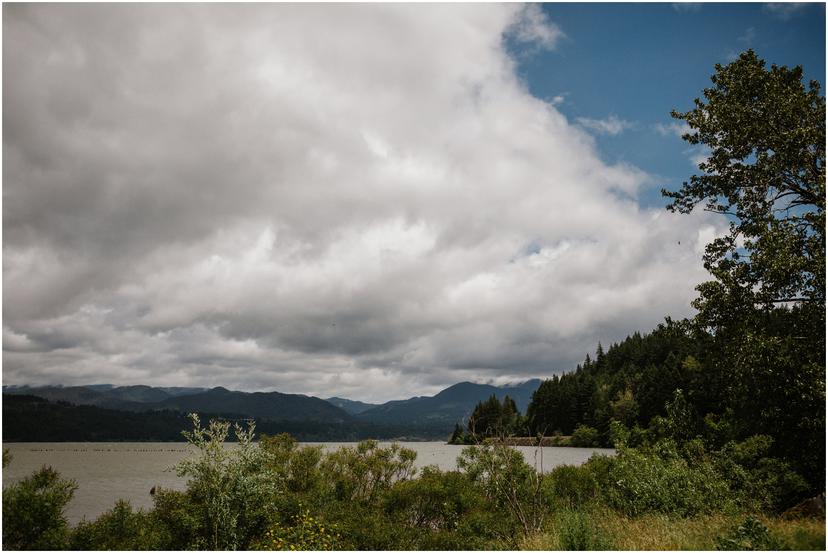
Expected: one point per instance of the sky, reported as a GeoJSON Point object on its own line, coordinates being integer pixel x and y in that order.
{"type": "Point", "coordinates": [369, 201]}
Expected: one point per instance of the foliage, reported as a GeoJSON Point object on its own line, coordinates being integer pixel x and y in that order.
{"type": "Point", "coordinates": [766, 169]}
{"type": "Point", "coordinates": [361, 474]}
{"type": "Point", "coordinates": [445, 510]}
{"type": "Point", "coordinates": [751, 535]}
{"type": "Point", "coordinates": [306, 533]}
{"type": "Point", "coordinates": [585, 436]}
{"type": "Point", "coordinates": [33, 511]}
{"type": "Point", "coordinates": [119, 529]}
{"type": "Point", "coordinates": [508, 481]}
{"type": "Point", "coordinates": [577, 531]}
{"type": "Point", "coordinates": [659, 481]}
{"type": "Point", "coordinates": [762, 481]}
{"type": "Point", "coordinates": [231, 487]}
{"type": "Point", "coordinates": [766, 303]}
{"type": "Point", "coordinates": [491, 418]}
{"type": "Point", "coordinates": [570, 487]}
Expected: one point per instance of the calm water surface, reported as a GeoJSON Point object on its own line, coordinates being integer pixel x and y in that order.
{"type": "Point", "coordinates": [106, 472]}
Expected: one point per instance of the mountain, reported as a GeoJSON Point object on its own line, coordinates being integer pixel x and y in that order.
{"type": "Point", "coordinates": [80, 395]}
{"type": "Point", "coordinates": [264, 405]}
{"type": "Point", "coordinates": [431, 414]}
{"type": "Point", "coordinates": [128, 398]}
{"type": "Point", "coordinates": [450, 406]}
{"type": "Point", "coordinates": [350, 406]}
{"type": "Point", "coordinates": [27, 418]}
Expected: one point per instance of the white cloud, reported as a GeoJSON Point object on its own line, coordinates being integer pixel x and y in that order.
{"type": "Point", "coordinates": [673, 128]}
{"type": "Point", "coordinates": [687, 7]}
{"type": "Point", "coordinates": [612, 125]}
{"type": "Point", "coordinates": [532, 26]}
{"type": "Point", "coordinates": [784, 10]}
{"type": "Point", "coordinates": [749, 36]}
{"type": "Point", "coordinates": [213, 195]}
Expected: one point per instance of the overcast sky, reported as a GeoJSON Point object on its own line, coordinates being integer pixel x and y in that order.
{"type": "Point", "coordinates": [370, 201]}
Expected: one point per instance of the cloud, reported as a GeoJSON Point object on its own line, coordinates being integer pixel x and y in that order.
{"type": "Point", "coordinates": [749, 36]}
{"type": "Point", "coordinates": [532, 26]}
{"type": "Point", "coordinates": [784, 10]}
{"type": "Point", "coordinates": [214, 195]}
{"type": "Point", "coordinates": [687, 7]}
{"type": "Point", "coordinates": [673, 128]}
{"type": "Point", "coordinates": [612, 125]}
{"type": "Point", "coordinates": [697, 154]}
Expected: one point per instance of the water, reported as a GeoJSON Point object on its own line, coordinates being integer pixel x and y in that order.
{"type": "Point", "coordinates": [108, 471]}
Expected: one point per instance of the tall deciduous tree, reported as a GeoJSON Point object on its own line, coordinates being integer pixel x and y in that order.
{"type": "Point", "coordinates": [765, 133]}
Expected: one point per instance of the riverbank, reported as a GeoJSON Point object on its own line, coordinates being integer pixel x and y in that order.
{"type": "Point", "coordinates": [526, 441]}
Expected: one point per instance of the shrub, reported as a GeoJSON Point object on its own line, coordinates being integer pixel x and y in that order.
{"type": "Point", "coordinates": [585, 436]}
{"type": "Point", "coordinates": [119, 529]}
{"type": "Point", "coordinates": [178, 521]}
{"type": "Point", "coordinates": [507, 481]}
{"type": "Point", "coordinates": [577, 532]}
{"type": "Point", "coordinates": [33, 511]}
{"type": "Point", "coordinates": [751, 535]}
{"type": "Point", "coordinates": [569, 486]}
{"type": "Point", "coordinates": [306, 533]}
{"type": "Point", "coordinates": [231, 487]}
{"type": "Point", "coordinates": [364, 472]}
{"type": "Point", "coordinates": [761, 481]}
{"type": "Point", "coordinates": [445, 511]}
{"type": "Point", "coordinates": [659, 481]}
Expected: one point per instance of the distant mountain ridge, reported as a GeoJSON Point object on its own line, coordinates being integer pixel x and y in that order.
{"type": "Point", "coordinates": [264, 405]}
{"type": "Point", "coordinates": [450, 406]}
{"type": "Point", "coordinates": [350, 406]}
{"type": "Point", "coordinates": [441, 411]}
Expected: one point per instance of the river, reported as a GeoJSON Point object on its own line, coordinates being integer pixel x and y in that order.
{"type": "Point", "coordinates": [108, 471]}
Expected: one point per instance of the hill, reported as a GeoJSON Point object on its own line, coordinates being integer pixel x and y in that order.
{"type": "Point", "coordinates": [452, 405]}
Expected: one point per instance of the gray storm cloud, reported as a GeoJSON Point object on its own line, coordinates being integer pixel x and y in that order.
{"type": "Point", "coordinates": [355, 200]}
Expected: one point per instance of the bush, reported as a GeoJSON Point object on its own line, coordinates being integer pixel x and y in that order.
{"type": "Point", "coordinates": [659, 481]}
{"type": "Point", "coordinates": [33, 511]}
{"type": "Point", "coordinates": [751, 535]}
{"type": "Point", "coordinates": [585, 436]}
{"type": "Point", "coordinates": [569, 486]}
{"type": "Point", "coordinates": [577, 532]}
{"type": "Point", "coordinates": [120, 529]}
{"type": "Point", "coordinates": [364, 472]}
{"type": "Point", "coordinates": [444, 509]}
{"type": "Point", "coordinates": [231, 488]}
{"type": "Point", "coordinates": [306, 533]}
{"type": "Point", "coordinates": [178, 521]}
{"type": "Point", "coordinates": [761, 481]}
{"type": "Point", "coordinates": [510, 483]}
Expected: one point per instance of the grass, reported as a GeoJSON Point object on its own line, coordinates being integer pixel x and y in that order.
{"type": "Point", "coordinates": [603, 529]}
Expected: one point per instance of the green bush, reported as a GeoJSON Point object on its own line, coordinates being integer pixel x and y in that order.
{"type": "Point", "coordinates": [119, 529]}
{"type": "Point", "coordinates": [577, 532]}
{"type": "Point", "coordinates": [33, 511]}
{"type": "Point", "coordinates": [306, 533]}
{"type": "Point", "coordinates": [570, 486]}
{"type": "Point", "coordinates": [511, 485]}
{"type": "Point", "coordinates": [585, 436]}
{"type": "Point", "coordinates": [364, 472]}
{"type": "Point", "coordinates": [231, 488]}
{"type": "Point", "coordinates": [760, 481]}
{"type": "Point", "coordinates": [751, 535]}
{"type": "Point", "coordinates": [178, 521]}
{"type": "Point", "coordinates": [446, 511]}
{"type": "Point", "coordinates": [659, 481]}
